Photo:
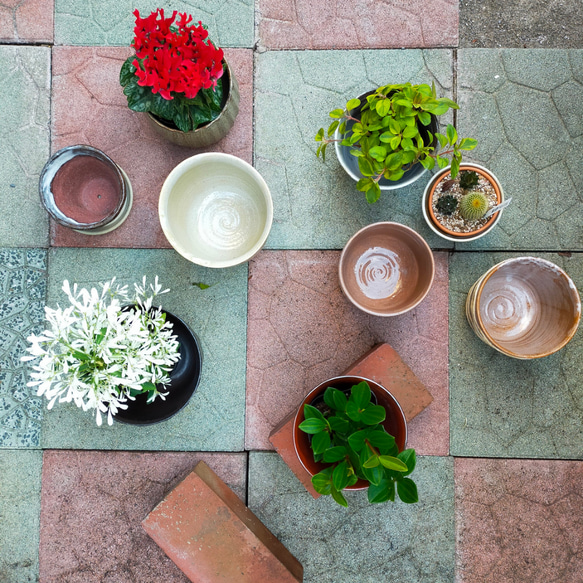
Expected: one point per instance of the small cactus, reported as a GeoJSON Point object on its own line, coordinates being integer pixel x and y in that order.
{"type": "Point", "coordinates": [447, 204]}
{"type": "Point", "coordinates": [468, 179]}
{"type": "Point", "coordinates": [473, 206]}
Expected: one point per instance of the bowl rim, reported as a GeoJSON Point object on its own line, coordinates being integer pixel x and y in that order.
{"type": "Point", "coordinates": [548, 264]}
{"type": "Point", "coordinates": [415, 235]}
{"type": "Point", "coordinates": [193, 162]}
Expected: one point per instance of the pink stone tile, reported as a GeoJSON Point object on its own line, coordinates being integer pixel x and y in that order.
{"type": "Point", "coordinates": [302, 330]}
{"type": "Point", "coordinates": [353, 24]}
{"type": "Point", "coordinates": [93, 504]}
{"type": "Point", "coordinates": [89, 108]}
{"type": "Point", "coordinates": [519, 520]}
{"type": "Point", "coordinates": [26, 20]}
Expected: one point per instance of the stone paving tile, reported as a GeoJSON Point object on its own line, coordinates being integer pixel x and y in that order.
{"type": "Point", "coordinates": [213, 420]}
{"type": "Point", "coordinates": [24, 144]}
{"type": "Point", "coordinates": [93, 504]}
{"type": "Point", "coordinates": [504, 407]}
{"type": "Point", "coordinates": [363, 543]}
{"type": "Point", "coordinates": [316, 204]}
{"type": "Point", "coordinates": [302, 331]}
{"type": "Point", "coordinates": [356, 24]}
{"type": "Point", "coordinates": [525, 107]}
{"type": "Point", "coordinates": [521, 24]}
{"type": "Point", "coordinates": [26, 21]}
{"type": "Point", "coordinates": [23, 281]}
{"type": "Point", "coordinates": [95, 22]}
{"type": "Point", "coordinates": [89, 107]}
{"type": "Point", "coordinates": [518, 520]}
{"type": "Point", "coordinates": [20, 484]}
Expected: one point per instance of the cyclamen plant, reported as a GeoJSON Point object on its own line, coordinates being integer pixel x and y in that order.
{"type": "Point", "coordinates": [100, 354]}
{"type": "Point", "coordinates": [176, 73]}
{"type": "Point", "coordinates": [349, 436]}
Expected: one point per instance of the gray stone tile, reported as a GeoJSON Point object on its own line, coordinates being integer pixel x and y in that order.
{"type": "Point", "coordinates": [24, 144]}
{"type": "Point", "coordinates": [20, 483]}
{"type": "Point", "coordinates": [521, 24]}
{"type": "Point", "coordinates": [214, 418]}
{"type": "Point", "coordinates": [363, 543]}
{"type": "Point", "coordinates": [525, 107]}
{"type": "Point", "coordinates": [503, 407]}
{"type": "Point", "coordinates": [316, 204]}
{"type": "Point", "coordinates": [22, 299]}
{"type": "Point", "coordinates": [98, 22]}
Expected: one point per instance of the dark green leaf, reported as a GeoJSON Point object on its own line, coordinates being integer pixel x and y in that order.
{"type": "Point", "coordinates": [127, 72]}
{"type": "Point", "coordinates": [338, 497]}
{"type": "Point", "coordinates": [373, 414]}
{"type": "Point", "coordinates": [311, 412]}
{"type": "Point", "coordinates": [352, 411]}
{"type": "Point", "coordinates": [408, 457]}
{"type": "Point", "coordinates": [360, 394]}
{"type": "Point", "coordinates": [381, 440]}
{"type": "Point", "coordinates": [407, 491]}
{"type": "Point", "coordinates": [320, 442]}
{"type": "Point", "coordinates": [81, 355]}
{"type": "Point", "coordinates": [334, 454]}
{"type": "Point", "coordinates": [313, 426]}
{"type": "Point", "coordinates": [357, 440]}
{"type": "Point", "coordinates": [382, 492]}
{"type": "Point", "coordinates": [340, 476]}
{"type": "Point", "coordinates": [338, 425]}
{"type": "Point", "coordinates": [322, 482]}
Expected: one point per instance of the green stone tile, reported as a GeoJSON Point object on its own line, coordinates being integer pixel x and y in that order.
{"type": "Point", "coordinates": [20, 482]}
{"type": "Point", "coordinates": [525, 107]}
{"type": "Point", "coordinates": [316, 204]}
{"type": "Point", "coordinates": [365, 543]}
{"type": "Point", "coordinates": [214, 418]}
{"type": "Point", "coordinates": [23, 274]}
{"type": "Point", "coordinates": [104, 22]}
{"type": "Point", "coordinates": [24, 144]}
{"type": "Point", "coordinates": [504, 407]}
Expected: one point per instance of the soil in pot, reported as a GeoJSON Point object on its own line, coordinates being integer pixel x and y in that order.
{"type": "Point", "coordinates": [454, 223]}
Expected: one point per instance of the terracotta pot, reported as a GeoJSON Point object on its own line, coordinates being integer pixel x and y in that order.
{"type": "Point", "coordinates": [525, 307]}
{"type": "Point", "coordinates": [395, 422]}
{"type": "Point", "coordinates": [84, 189]}
{"type": "Point", "coordinates": [386, 269]}
{"type": "Point", "coordinates": [350, 162]}
{"type": "Point", "coordinates": [209, 133]}
{"type": "Point", "coordinates": [446, 233]}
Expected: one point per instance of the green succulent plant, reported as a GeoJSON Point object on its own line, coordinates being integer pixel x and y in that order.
{"type": "Point", "coordinates": [473, 206]}
{"type": "Point", "coordinates": [447, 204]}
{"type": "Point", "coordinates": [350, 437]}
{"type": "Point", "coordinates": [468, 179]}
{"type": "Point", "coordinates": [385, 133]}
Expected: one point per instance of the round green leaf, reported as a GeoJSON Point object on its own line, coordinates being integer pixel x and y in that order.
{"type": "Point", "coordinates": [353, 104]}
{"type": "Point", "coordinates": [407, 491]}
{"type": "Point", "coordinates": [334, 454]}
{"type": "Point", "coordinates": [382, 440]}
{"type": "Point", "coordinates": [352, 411]}
{"type": "Point", "coordinates": [357, 440]}
{"type": "Point", "coordinates": [337, 113]}
{"type": "Point", "coordinates": [338, 424]}
{"type": "Point", "coordinates": [322, 482]}
{"type": "Point", "coordinates": [373, 414]}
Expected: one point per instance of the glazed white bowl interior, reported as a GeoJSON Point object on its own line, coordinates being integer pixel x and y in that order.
{"type": "Point", "coordinates": [215, 210]}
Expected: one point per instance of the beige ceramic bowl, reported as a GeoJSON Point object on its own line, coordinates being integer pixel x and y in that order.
{"type": "Point", "coordinates": [386, 269]}
{"type": "Point", "coordinates": [524, 307]}
{"type": "Point", "coordinates": [215, 210]}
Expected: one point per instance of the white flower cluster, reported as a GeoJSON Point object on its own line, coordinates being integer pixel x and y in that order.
{"type": "Point", "coordinates": [98, 353]}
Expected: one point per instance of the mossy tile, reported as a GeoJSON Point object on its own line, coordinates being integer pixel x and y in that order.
{"type": "Point", "coordinates": [214, 417]}
{"type": "Point", "coordinates": [504, 407]}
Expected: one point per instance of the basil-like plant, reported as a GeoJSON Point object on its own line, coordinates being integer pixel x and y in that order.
{"type": "Point", "coordinates": [348, 435]}
{"type": "Point", "coordinates": [386, 135]}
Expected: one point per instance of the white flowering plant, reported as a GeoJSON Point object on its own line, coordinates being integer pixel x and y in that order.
{"type": "Point", "coordinates": [104, 349]}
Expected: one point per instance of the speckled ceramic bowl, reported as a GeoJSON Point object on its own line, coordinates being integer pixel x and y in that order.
{"type": "Point", "coordinates": [525, 307]}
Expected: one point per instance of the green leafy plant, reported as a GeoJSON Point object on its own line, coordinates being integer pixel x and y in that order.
{"type": "Point", "coordinates": [349, 436]}
{"type": "Point", "coordinates": [473, 206]}
{"type": "Point", "coordinates": [468, 179]}
{"type": "Point", "coordinates": [388, 133]}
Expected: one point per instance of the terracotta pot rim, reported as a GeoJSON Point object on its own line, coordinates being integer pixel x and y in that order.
{"type": "Point", "coordinates": [428, 205]}
{"type": "Point", "coordinates": [49, 172]}
{"type": "Point", "coordinates": [361, 484]}
{"type": "Point", "coordinates": [160, 122]}
{"type": "Point", "coordinates": [485, 278]}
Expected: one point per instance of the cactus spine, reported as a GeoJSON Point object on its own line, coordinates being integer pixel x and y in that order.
{"type": "Point", "coordinates": [473, 206]}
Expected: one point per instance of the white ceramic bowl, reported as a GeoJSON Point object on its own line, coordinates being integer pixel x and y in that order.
{"type": "Point", "coordinates": [215, 210]}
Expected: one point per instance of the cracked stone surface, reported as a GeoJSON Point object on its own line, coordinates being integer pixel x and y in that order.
{"type": "Point", "coordinates": [302, 331]}
{"type": "Point", "coordinates": [520, 24]}
{"type": "Point", "coordinates": [24, 144]}
{"type": "Point", "coordinates": [94, 22]}
{"type": "Point", "coordinates": [26, 21]}
{"type": "Point", "coordinates": [525, 107]}
{"type": "Point", "coordinates": [93, 504]}
{"type": "Point", "coordinates": [20, 484]}
{"type": "Point", "coordinates": [386, 542]}
{"type": "Point", "coordinates": [213, 419]}
{"type": "Point", "coordinates": [518, 520]}
{"type": "Point", "coordinates": [89, 107]}
{"type": "Point", "coordinates": [316, 204]}
{"type": "Point", "coordinates": [346, 24]}
{"type": "Point", "coordinates": [23, 282]}
{"type": "Point", "coordinates": [504, 407]}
